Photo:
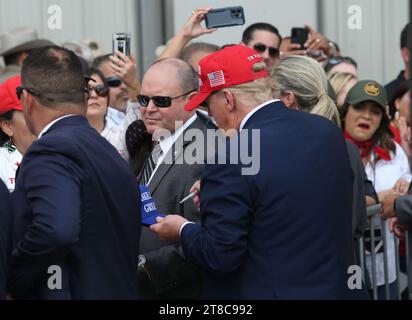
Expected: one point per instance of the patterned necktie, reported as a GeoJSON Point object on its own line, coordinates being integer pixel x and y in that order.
{"type": "Point", "coordinates": [151, 164]}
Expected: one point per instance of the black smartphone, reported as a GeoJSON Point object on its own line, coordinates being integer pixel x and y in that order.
{"type": "Point", "coordinates": [121, 42]}
{"type": "Point", "coordinates": [225, 17]}
{"type": "Point", "coordinates": [300, 36]}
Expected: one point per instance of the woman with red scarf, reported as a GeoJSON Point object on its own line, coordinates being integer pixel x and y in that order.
{"type": "Point", "coordinates": [366, 124]}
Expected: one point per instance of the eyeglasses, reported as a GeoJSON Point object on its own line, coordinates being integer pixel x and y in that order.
{"type": "Point", "coordinates": [334, 61]}
{"type": "Point", "coordinates": [159, 101]}
{"type": "Point", "coordinates": [101, 90]}
{"type": "Point", "coordinates": [113, 82]}
{"type": "Point", "coordinates": [273, 52]}
{"type": "Point", "coordinates": [19, 92]}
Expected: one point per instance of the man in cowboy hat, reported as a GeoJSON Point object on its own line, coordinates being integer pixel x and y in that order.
{"type": "Point", "coordinates": [15, 46]}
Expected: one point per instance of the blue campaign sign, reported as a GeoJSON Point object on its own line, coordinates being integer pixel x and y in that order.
{"type": "Point", "coordinates": [148, 209]}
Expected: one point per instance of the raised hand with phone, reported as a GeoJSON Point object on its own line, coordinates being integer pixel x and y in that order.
{"type": "Point", "coordinates": [125, 68]}
{"type": "Point", "coordinates": [191, 30]}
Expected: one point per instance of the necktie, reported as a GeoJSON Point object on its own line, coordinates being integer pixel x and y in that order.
{"type": "Point", "coordinates": [151, 164]}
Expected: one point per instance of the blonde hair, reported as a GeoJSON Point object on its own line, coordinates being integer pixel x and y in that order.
{"type": "Point", "coordinates": [339, 80]}
{"type": "Point", "coordinates": [307, 80]}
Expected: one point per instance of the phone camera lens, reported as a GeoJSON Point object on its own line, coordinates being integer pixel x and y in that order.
{"type": "Point", "coordinates": [237, 14]}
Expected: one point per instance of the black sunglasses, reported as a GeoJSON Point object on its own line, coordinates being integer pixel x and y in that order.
{"type": "Point", "coordinates": [113, 82]}
{"type": "Point", "coordinates": [19, 92]}
{"type": "Point", "coordinates": [101, 90]}
{"type": "Point", "coordinates": [334, 61]}
{"type": "Point", "coordinates": [273, 52]}
{"type": "Point", "coordinates": [159, 101]}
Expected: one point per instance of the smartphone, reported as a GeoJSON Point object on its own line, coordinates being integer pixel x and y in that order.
{"type": "Point", "coordinates": [300, 36]}
{"type": "Point", "coordinates": [121, 42]}
{"type": "Point", "coordinates": [225, 17]}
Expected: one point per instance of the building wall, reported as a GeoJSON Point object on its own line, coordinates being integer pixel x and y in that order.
{"type": "Point", "coordinates": [376, 45]}
{"type": "Point", "coordinates": [96, 19]}
{"type": "Point", "coordinates": [151, 22]}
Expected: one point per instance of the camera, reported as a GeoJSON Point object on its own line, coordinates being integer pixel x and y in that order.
{"type": "Point", "coordinates": [121, 42]}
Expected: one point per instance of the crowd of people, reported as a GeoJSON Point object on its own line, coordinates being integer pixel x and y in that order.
{"type": "Point", "coordinates": [80, 134]}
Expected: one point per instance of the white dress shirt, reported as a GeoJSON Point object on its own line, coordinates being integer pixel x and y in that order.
{"type": "Point", "coordinates": [167, 143]}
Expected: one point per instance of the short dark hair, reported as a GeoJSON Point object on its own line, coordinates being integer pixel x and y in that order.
{"type": "Point", "coordinates": [248, 33]}
{"type": "Point", "coordinates": [98, 61]}
{"type": "Point", "coordinates": [99, 73]}
{"type": "Point", "coordinates": [11, 59]}
{"type": "Point", "coordinates": [5, 116]}
{"type": "Point", "coordinates": [404, 36]}
{"type": "Point", "coordinates": [194, 47]}
{"type": "Point", "coordinates": [398, 93]}
{"type": "Point", "coordinates": [56, 74]}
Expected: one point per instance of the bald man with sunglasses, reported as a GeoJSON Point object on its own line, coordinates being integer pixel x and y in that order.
{"type": "Point", "coordinates": [167, 86]}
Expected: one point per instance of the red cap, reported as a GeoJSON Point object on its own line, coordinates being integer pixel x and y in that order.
{"type": "Point", "coordinates": [225, 68]}
{"type": "Point", "coordinates": [8, 95]}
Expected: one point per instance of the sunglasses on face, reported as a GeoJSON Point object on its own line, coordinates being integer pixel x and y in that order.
{"type": "Point", "coordinates": [113, 82]}
{"type": "Point", "coordinates": [101, 90]}
{"type": "Point", "coordinates": [260, 47]}
{"type": "Point", "coordinates": [334, 61]}
{"type": "Point", "coordinates": [159, 101]}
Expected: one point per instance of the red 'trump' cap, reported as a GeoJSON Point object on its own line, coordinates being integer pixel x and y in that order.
{"type": "Point", "coordinates": [225, 68]}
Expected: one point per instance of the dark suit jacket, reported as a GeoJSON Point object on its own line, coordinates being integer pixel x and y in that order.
{"type": "Point", "coordinates": [403, 208]}
{"type": "Point", "coordinates": [5, 236]}
{"type": "Point", "coordinates": [172, 277]}
{"type": "Point", "coordinates": [77, 206]}
{"type": "Point", "coordinates": [284, 233]}
{"type": "Point", "coordinates": [359, 219]}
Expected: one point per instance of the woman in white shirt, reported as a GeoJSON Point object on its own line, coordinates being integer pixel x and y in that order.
{"type": "Point", "coordinates": [15, 136]}
{"type": "Point", "coordinates": [97, 106]}
{"type": "Point", "coordinates": [367, 125]}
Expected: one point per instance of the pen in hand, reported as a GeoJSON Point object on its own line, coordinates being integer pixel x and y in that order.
{"type": "Point", "coordinates": [189, 196]}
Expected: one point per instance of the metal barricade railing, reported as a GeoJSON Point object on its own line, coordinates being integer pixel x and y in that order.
{"type": "Point", "coordinates": [370, 278]}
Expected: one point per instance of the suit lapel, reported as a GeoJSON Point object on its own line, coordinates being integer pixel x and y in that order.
{"type": "Point", "coordinates": [176, 152]}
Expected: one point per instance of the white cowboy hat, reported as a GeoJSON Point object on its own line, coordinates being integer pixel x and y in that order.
{"type": "Point", "coordinates": [21, 39]}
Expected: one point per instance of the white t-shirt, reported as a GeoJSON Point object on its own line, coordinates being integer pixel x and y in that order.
{"type": "Point", "coordinates": [115, 136]}
{"type": "Point", "coordinates": [9, 162]}
{"type": "Point", "coordinates": [384, 176]}
{"type": "Point", "coordinates": [117, 124]}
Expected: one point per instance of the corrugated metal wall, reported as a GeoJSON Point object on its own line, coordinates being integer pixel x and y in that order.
{"type": "Point", "coordinates": [375, 47]}
{"type": "Point", "coordinates": [96, 19]}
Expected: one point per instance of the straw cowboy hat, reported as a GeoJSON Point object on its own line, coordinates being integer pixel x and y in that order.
{"type": "Point", "coordinates": [21, 39]}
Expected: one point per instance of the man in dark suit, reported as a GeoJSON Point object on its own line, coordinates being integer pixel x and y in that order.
{"type": "Point", "coordinates": [5, 236]}
{"type": "Point", "coordinates": [283, 232]}
{"type": "Point", "coordinates": [76, 202]}
{"type": "Point", "coordinates": [166, 87]}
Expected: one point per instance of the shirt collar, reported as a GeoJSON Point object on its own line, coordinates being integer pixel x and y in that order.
{"type": "Point", "coordinates": [167, 143]}
{"type": "Point", "coordinates": [247, 117]}
{"type": "Point", "coordinates": [48, 126]}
